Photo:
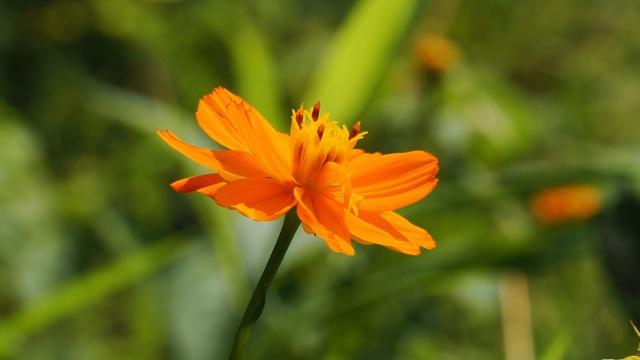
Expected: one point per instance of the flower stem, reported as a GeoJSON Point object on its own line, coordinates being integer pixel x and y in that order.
{"type": "Point", "coordinates": [258, 299]}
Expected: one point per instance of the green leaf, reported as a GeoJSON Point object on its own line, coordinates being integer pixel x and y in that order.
{"type": "Point", "coordinates": [359, 56]}
{"type": "Point", "coordinates": [256, 74]}
{"type": "Point", "coordinates": [88, 290]}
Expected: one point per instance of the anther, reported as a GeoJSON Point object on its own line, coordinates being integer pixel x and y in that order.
{"type": "Point", "coordinates": [300, 117]}
{"type": "Point", "coordinates": [355, 130]}
{"type": "Point", "coordinates": [316, 111]}
{"type": "Point", "coordinates": [320, 131]}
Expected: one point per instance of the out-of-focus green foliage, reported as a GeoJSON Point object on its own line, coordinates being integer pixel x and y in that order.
{"type": "Point", "coordinates": [100, 259]}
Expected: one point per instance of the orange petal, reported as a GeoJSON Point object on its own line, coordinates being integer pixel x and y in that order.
{"type": "Point", "coordinates": [197, 182]}
{"type": "Point", "coordinates": [212, 190]}
{"type": "Point", "coordinates": [355, 153]}
{"type": "Point", "coordinates": [389, 182]}
{"type": "Point", "coordinates": [331, 175]}
{"type": "Point", "coordinates": [414, 234]}
{"type": "Point", "coordinates": [233, 164]}
{"type": "Point", "coordinates": [258, 198]}
{"type": "Point", "coordinates": [325, 217]}
{"type": "Point", "coordinates": [197, 154]}
{"type": "Point", "coordinates": [372, 228]}
{"type": "Point", "coordinates": [238, 164]}
{"type": "Point", "coordinates": [235, 124]}
{"type": "Point", "coordinates": [214, 119]}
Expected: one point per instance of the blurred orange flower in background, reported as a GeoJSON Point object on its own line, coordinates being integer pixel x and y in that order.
{"type": "Point", "coordinates": [567, 203]}
{"type": "Point", "coordinates": [436, 52]}
{"type": "Point", "coordinates": [341, 193]}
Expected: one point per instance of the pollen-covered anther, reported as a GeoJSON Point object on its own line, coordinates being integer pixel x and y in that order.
{"type": "Point", "coordinates": [300, 117]}
{"type": "Point", "coordinates": [320, 131]}
{"type": "Point", "coordinates": [355, 130]}
{"type": "Point", "coordinates": [316, 111]}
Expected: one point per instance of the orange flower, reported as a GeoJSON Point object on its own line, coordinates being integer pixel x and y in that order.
{"type": "Point", "coordinates": [567, 203]}
{"type": "Point", "coordinates": [341, 193]}
{"type": "Point", "coordinates": [436, 52]}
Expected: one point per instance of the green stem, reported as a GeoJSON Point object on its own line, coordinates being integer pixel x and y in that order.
{"type": "Point", "coordinates": [256, 304]}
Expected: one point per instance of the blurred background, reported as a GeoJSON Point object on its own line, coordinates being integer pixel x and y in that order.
{"type": "Point", "coordinates": [531, 107]}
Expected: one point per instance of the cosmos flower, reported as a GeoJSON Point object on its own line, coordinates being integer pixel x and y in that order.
{"type": "Point", "coordinates": [436, 52]}
{"type": "Point", "coordinates": [340, 193]}
{"type": "Point", "coordinates": [568, 203]}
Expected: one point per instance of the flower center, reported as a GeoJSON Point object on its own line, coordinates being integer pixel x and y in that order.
{"type": "Point", "coordinates": [320, 151]}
